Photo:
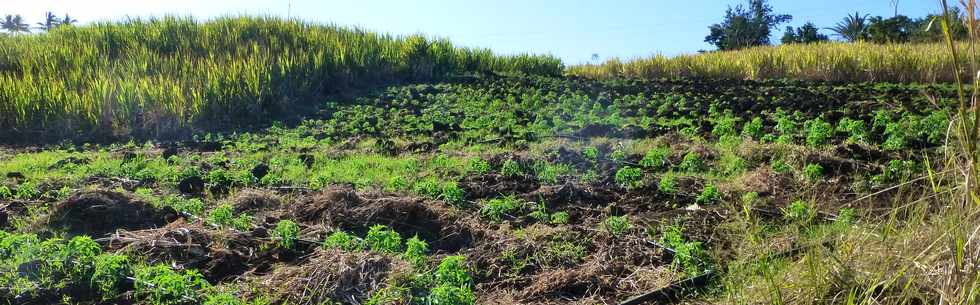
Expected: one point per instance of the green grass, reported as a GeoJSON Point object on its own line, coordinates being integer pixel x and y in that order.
{"type": "Point", "coordinates": [159, 76]}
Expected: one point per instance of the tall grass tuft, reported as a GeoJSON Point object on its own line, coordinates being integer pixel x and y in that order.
{"type": "Point", "coordinates": [152, 77]}
{"type": "Point", "coordinates": [828, 61]}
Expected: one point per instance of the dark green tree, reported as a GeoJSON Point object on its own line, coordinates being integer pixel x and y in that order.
{"type": "Point", "coordinates": [15, 24]}
{"type": "Point", "coordinates": [853, 28]}
{"type": "Point", "coordinates": [50, 22]}
{"type": "Point", "coordinates": [745, 26]}
{"type": "Point", "coordinates": [808, 33]}
{"type": "Point", "coordinates": [890, 30]}
{"type": "Point", "coordinates": [67, 21]}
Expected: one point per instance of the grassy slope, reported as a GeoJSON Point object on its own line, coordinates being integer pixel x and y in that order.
{"type": "Point", "coordinates": [156, 77]}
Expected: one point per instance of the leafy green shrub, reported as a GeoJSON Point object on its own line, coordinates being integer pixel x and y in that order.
{"type": "Point", "coordinates": [753, 129]}
{"type": "Point", "coordinates": [549, 173]}
{"type": "Point", "coordinates": [428, 187]}
{"type": "Point", "coordinates": [725, 126]}
{"type": "Point", "coordinates": [343, 241]}
{"type": "Point", "coordinates": [27, 190]}
{"type": "Point", "coordinates": [222, 215]}
{"type": "Point", "coordinates": [109, 272]}
{"type": "Point", "coordinates": [668, 184]}
{"type": "Point", "coordinates": [380, 238]}
{"type": "Point", "coordinates": [813, 171]}
{"type": "Point", "coordinates": [5, 192]}
{"type": "Point", "coordinates": [495, 209]}
{"type": "Point", "coordinates": [617, 225]}
{"type": "Point", "coordinates": [511, 168]}
{"type": "Point", "coordinates": [286, 233]}
{"type": "Point", "coordinates": [692, 163]}
{"type": "Point", "coordinates": [81, 252]}
{"type": "Point", "coordinates": [191, 206]}
{"type": "Point", "coordinates": [452, 270]}
{"type": "Point", "coordinates": [818, 132]}
{"type": "Point", "coordinates": [856, 130]}
{"type": "Point", "coordinates": [559, 218]}
{"type": "Point", "coordinates": [781, 167]}
{"type": "Point", "coordinates": [799, 211]}
{"type": "Point", "coordinates": [688, 255]}
{"type": "Point", "coordinates": [416, 250]}
{"type": "Point", "coordinates": [222, 298]}
{"type": "Point", "coordinates": [655, 157]}
{"type": "Point", "coordinates": [445, 294]}
{"type": "Point", "coordinates": [164, 286]}
{"type": "Point", "coordinates": [591, 153]}
{"type": "Point", "coordinates": [629, 177]}
{"type": "Point", "coordinates": [478, 166]}
{"type": "Point", "coordinates": [452, 193]}
{"type": "Point", "coordinates": [710, 194]}
{"type": "Point", "coordinates": [787, 126]}
{"type": "Point", "coordinates": [896, 137]}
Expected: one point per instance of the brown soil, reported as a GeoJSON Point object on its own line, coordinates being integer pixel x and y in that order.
{"type": "Point", "coordinates": [97, 213]}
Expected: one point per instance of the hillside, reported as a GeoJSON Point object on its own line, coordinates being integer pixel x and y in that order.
{"type": "Point", "coordinates": [170, 76]}
{"type": "Point", "coordinates": [257, 161]}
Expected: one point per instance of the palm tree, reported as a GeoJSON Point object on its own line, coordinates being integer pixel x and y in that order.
{"type": "Point", "coordinates": [852, 28]}
{"type": "Point", "coordinates": [50, 22]}
{"type": "Point", "coordinates": [15, 24]}
{"type": "Point", "coordinates": [67, 20]}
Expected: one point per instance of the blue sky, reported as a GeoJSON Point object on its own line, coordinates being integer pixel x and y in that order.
{"type": "Point", "coordinates": [570, 29]}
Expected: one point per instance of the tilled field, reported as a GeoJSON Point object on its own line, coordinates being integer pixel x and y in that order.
{"type": "Point", "coordinates": [498, 190]}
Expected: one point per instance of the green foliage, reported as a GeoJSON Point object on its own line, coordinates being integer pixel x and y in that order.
{"type": "Point", "coordinates": [799, 211]}
{"type": "Point", "coordinates": [562, 250]}
{"type": "Point", "coordinates": [895, 172]}
{"type": "Point", "coordinates": [856, 130]}
{"type": "Point", "coordinates": [617, 225]}
{"type": "Point", "coordinates": [668, 184]}
{"type": "Point", "coordinates": [511, 168]}
{"type": "Point", "coordinates": [818, 132]}
{"type": "Point", "coordinates": [629, 177]}
{"type": "Point", "coordinates": [549, 173]}
{"type": "Point", "coordinates": [710, 194]}
{"type": "Point", "coordinates": [5, 192]}
{"type": "Point", "coordinates": [753, 129]}
{"type": "Point", "coordinates": [690, 256]}
{"type": "Point", "coordinates": [781, 167]}
{"type": "Point", "coordinates": [591, 153]}
{"type": "Point", "coordinates": [164, 286]}
{"type": "Point", "coordinates": [286, 234]}
{"type": "Point", "coordinates": [445, 294]}
{"type": "Point", "coordinates": [692, 163]}
{"type": "Point", "coordinates": [224, 216]}
{"type": "Point", "coordinates": [495, 209]}
{"type": "Point", "coordinates": [745, 27]}
{"type": "Point", "coordinates": [813, 171]}
{"type": "Point", "coordinates": [452, 193]}
{"type": "Point", "coordinates": [109, 272]}
{"type": "Point", "coordinates": [539, 212]}
{"type": "Point", "coordinates": [416, 250]}
{"type": "Point", "coordinates": [222, 298]}
{"type": "Point", "coordinates": [808, 33]}
{"type": "Point", "coordinates": [27, 190]}
{"type": "Point", "coordinates": [656, 157]}
{"type": "Point", "coordinates": [382, 239]}
{"type": "Point", "coordinates": [478, 166]}
{"type": "Point", "coordinates": [452, 270]}
{"type": "Point", "coordinates": [343, 241]}
{"type": "Point", "coordinates": [559, 218]}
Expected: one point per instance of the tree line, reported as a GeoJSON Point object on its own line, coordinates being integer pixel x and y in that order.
{"type": "Point", "coordinates": [16, 24]}
{"type": "Point", "coordinates": [751, 25]}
